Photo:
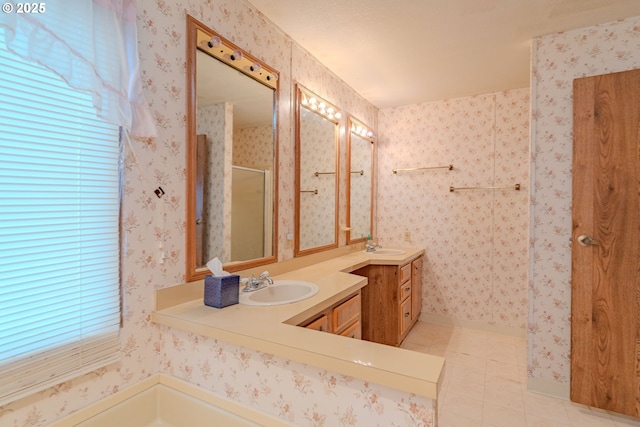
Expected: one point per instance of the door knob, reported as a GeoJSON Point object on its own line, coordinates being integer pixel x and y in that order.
{"type": "Point", "coordinates": [199, 221]}
{"type": "Point", "coordinates": [585, 240]}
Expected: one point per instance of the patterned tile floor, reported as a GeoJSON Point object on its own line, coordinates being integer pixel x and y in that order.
{"type": "Point", "coordinates": [485, 383]}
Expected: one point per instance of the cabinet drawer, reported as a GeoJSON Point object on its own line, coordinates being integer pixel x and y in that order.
{"type": "Point", "coordinates": [405, 290]}
{"type": "Point", "coordinates": [405, 316]}
{"type": "Point", "coordinates": [346, 313]}
{"type": "Point", "coordinates": [353, 331]}
{"type": "Point", "coordinates": [320, 324]}
{"type": "Point", "coordinates": [405, 273]}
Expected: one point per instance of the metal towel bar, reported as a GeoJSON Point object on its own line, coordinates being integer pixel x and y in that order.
{"type": "Point", "coordinates": [448, 167]}
{"type": "Point", "coordinates": [511, 187]}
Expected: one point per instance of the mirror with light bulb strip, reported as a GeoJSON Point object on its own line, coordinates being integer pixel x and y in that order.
{"type": "Point", "coordinates": [231, 172]}
{"type": "Point", "coordinates": [360, 158]}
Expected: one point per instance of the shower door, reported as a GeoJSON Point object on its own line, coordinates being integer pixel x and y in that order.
{"type": "Point", "coordinates": [251, 202]}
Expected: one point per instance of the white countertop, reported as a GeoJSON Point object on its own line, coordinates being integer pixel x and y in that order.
{"type": "Point", "coordinates": [272, 329]}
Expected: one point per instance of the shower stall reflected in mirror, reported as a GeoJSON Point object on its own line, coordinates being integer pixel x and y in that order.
{"type": "Point", "coordinates": [234, 216]}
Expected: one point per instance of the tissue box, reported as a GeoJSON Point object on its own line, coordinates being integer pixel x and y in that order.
{"type": "Point", "coordinates": [221, 291]}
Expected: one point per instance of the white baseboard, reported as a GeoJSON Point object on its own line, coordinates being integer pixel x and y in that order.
{"type": "Point", "coordinates": [470, 324]}
{"type": "Point", "coordinates": [548, 388]}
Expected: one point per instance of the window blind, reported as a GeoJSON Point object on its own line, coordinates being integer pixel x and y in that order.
{"type": "Point", "coordinates": [59, 231]}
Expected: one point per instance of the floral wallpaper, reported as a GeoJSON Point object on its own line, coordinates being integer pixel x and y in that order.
{"type": "Point", "coordinates": [252, 147]}
{"type": "Point", "coordinates": [557, 60]}
{"type": "Point", "coordinates": [475, 242]}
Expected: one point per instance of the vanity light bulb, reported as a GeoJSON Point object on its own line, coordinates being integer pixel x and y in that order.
{"type": "Point", "coordinates": [312, 101]}
{"type": "Point", "coordinates": [273, 77]}
{"type": "Point", "coordinates": [358, 129]}
{"type": "Point", "coordinates": [214, 42]}
{"type": "Point", "coordinates": [330, 110]}
{"type": "Point", "coordinates": [370, 134]}
{"type": "Point", "coordinates": [256, 67]}
{"type": "Point", "coordinates": [338, 115]}
{"type": "Point", "coordinates": [322, 105]}
{"type": "Point", "coordinates": [236, 56]}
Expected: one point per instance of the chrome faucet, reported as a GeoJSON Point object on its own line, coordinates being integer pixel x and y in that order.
{"type": "Point", "coordinates": [371, 247]}
{"type": "Point", "coordinates": [253, 284]}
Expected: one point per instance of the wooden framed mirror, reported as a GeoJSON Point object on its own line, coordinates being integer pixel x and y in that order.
{"type": "Point", "coordinates": [360, 155]}
{"type": "Point", "coordinates": [317, 173]}
{"type": "Point", "coordinates": [232, 175]}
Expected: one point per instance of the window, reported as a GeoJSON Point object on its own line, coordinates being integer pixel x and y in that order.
{"type": "Point", "coordinates": [59, 231]}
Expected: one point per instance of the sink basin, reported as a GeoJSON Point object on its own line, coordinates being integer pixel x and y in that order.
{"type": "Point", "coordinates": [281, 292]}
{"type": "Point", "coordinates": [386, 252]}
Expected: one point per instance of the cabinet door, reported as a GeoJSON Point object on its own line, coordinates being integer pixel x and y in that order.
{"type": "Point", "coordinates": [320, 324]}
{"type": "Point", "coordinates": [380, 304]}
{"type": "Point", "coordinates": [346, 313]}
{"type": "Point", "coordinates": [416, 289]}
{"type": "Point", "coordinates": [353, 331]}
{"type": "Point", "coordinates": [405, 318]}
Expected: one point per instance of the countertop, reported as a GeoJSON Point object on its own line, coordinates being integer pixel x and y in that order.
{"type": "Point", "coordinates": [272, 329]}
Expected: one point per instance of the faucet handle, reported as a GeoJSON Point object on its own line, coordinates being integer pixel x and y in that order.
{"type": "Point", "coordinates": [265, 276]}
{"type": "Point", "coordinates": [248, 283]}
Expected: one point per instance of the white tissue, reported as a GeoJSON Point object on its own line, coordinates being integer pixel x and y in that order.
{"type": "Point", "coordinates": [215, 266]}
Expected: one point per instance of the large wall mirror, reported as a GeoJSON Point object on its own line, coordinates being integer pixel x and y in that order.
{"type": "Point", "coordinates": [231, 155]}
{"type": "Point", "coordinates": [360, 149]}
{"type": "Point", "coordinates": [317, 145]}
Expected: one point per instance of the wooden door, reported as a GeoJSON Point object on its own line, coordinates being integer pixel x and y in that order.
{"type": "Point", "coordinates": [605, 297]}
{"type": "Point", "coordinates": [202, 156]}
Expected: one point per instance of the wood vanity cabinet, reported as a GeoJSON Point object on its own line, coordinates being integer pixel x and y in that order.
{"type": "Point", "coordinates": [416, 289]}
{"type": "Point", "coordinates": [391, 301]}
{"type": "Point", "coordinates": [342, 318]}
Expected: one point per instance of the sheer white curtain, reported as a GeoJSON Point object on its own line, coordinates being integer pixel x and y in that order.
{"type": "Point", "coordinates": [92, 45]}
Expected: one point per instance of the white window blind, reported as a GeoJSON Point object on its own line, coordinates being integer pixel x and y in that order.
{"type": "Point", "coordinates": [59, 231]}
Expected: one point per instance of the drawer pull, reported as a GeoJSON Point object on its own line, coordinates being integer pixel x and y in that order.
{"type": "Point", "coordinates": [407, 314]}
{"type": "Point", "coordinates": [407, 289]}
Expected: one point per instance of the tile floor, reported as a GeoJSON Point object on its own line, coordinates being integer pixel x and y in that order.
{"type": "Point", "coordinates": [485, 383]}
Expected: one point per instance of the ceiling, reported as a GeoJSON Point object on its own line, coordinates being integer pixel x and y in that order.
{"type": "Point", "coordinates": [252, 101]}
{"type": "Point", "coordinates": [402, 52]}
